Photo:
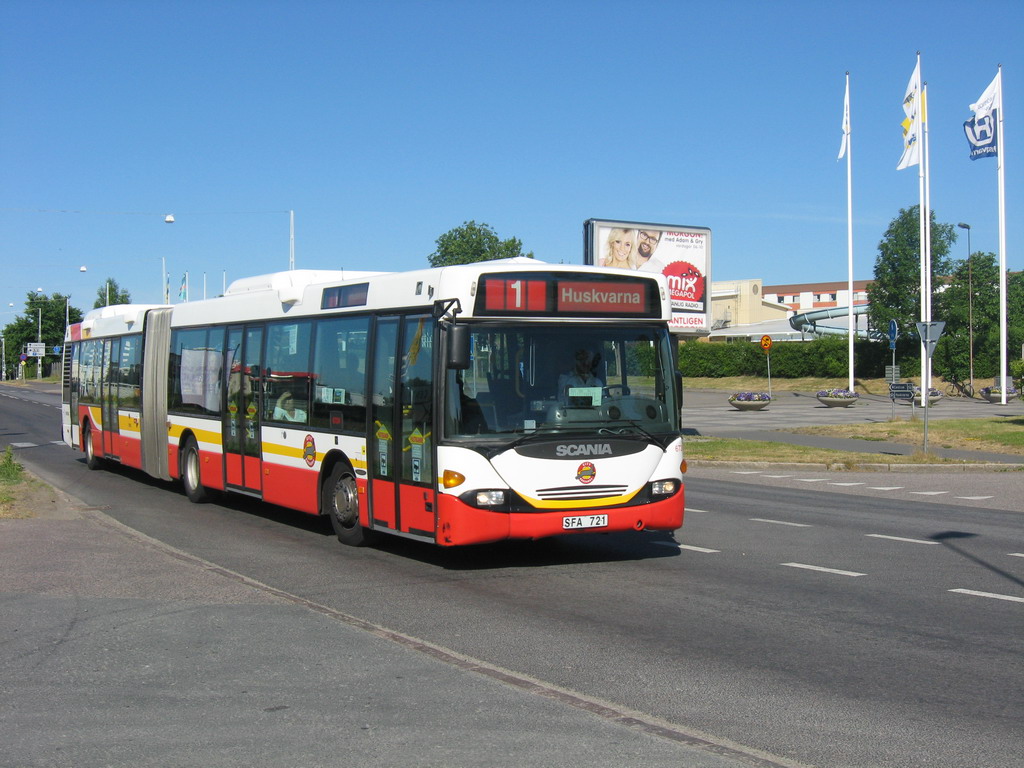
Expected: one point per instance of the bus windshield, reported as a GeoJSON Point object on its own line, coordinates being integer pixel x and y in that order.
{"type": "Point", "coordinates": [595, 378]}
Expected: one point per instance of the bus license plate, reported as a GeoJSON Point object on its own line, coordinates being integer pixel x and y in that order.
{"type": "Point", "coordinates": [584, 521]}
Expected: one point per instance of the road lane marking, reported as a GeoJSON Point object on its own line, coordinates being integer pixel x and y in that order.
{"type": "Point", "coordinates": [694, 509]}
{"type": "Point", "coordinates": [993, 595]}
{"type": "Point", "coordinates": [811, 479]}
{"type": "Point", "coordinates": [975, 498]}
{"type": "Point", "coordinates": [885, 487]}
{"type": "Point", "coordinates": [1017, 554]}
{"type": "Point", "coordinates": [692, 548]}
{"type": "Point", "coordinates": [899, 538]}
{"type": "Point", "coordinates": [24, 445]}
{"type": "Point", "coordinates": [779, 522]}
{"type": "Point", "coordinates": [846, 484]}
{"type": "Point", "coordinates": [746, 472]}
{"type": "Point", "coordinates": [928, 493]}
{"type": "Point", "coordinates": [778, 477]}
{"type": "Point", "coordinates": [823, 570]}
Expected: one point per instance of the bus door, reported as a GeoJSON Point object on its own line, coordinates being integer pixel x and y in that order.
{"type": "Point", "coordinates": [109, 397]}
{"type": "Point", "coordinates": [243, 387]}
{"type": "Point", "coordinates": [403, 487]}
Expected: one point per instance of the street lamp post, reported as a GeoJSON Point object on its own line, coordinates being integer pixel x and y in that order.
{"type": "Point", "coordinates": [970, 302]}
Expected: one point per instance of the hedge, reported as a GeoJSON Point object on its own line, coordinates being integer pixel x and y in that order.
{"type": "Point", "coordinates": [822, 358]}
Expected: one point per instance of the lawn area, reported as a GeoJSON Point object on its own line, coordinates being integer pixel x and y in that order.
{"type": "Point", "coordinates": [760, 384]}
{"type": "Point", "coordinates": [730, 449]}
{"type": "Point", "coordinates": [996, 434]}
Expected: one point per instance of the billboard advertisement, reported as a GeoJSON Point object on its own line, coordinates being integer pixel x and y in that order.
{"type": "Point", "coordinates": [681, 253]}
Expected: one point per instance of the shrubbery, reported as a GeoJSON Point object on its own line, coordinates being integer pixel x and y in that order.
{"type": "Point", "coordinates": [821, 358]}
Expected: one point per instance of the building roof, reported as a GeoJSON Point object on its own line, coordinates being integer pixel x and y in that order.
{"type": "Point", "coordinates": [794, 288]}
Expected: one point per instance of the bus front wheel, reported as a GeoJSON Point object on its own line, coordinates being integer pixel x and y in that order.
{"type": "Point", "coordinates": [341, 502]}
{"type": "Point", "coordinates": [190, 477]}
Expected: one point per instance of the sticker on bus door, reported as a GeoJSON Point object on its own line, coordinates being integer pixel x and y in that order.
{"type": "Point", "coordinates": [416, 441]}
{"type": "Point", "coordinates": [383, 448]}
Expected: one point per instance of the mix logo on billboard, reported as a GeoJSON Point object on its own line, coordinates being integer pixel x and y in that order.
{"type": "Point", "coordinates": [685, 282]}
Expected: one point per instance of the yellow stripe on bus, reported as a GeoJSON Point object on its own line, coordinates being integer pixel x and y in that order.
{"type": "Point", "coordinates": [577, 503]}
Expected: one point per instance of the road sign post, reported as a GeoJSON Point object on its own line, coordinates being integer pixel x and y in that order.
{"type": "Point", "coordinates": [930, 333]}
{"type": "Point", "coordinates": [766, 345]}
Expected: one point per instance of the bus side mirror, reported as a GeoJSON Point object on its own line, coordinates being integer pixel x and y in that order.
{"type": "Point", "coordinates": [458, 346]}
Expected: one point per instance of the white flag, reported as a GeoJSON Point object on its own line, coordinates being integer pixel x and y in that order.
{"type": "Point", "coordinates": [990, 99]}
{"type": "Point", "coordinates": [846, 123]}
{"type": "Point", "coordinates": [912, 107]}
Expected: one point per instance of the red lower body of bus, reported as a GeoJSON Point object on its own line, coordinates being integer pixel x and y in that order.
{"type": "Point", "coordinates": [459, 524]}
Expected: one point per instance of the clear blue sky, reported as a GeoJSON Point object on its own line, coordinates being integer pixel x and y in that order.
{"type": "Point", "coordinates": [384, 124]}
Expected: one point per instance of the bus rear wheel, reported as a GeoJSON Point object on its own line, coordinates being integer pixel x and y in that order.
{"type": "Point", "coordinates": [190, 476]}
{"type": "Point", "coordinates": [340, 500]}
{"type": "Point", "coordinates": [92, 461]}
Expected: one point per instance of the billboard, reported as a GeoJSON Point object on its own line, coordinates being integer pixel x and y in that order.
{"type": "Point", "coordinates": [681, 253]}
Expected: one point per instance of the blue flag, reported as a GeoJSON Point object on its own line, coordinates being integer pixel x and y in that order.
{"type": "Point", "coordinates": [981, 135]}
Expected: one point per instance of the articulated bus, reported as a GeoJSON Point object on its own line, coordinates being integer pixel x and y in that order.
{"type": "Point", "coordinates": [456, 405]}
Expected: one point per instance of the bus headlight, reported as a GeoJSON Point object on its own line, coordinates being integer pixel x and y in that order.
{"type": "Point", "coordinates": [664, 487]}
{"type": "Point", "coordinates": [490, 498]}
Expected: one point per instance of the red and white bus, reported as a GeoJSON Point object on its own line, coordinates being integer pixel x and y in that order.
{"type": "Point", "coordinates": [458, 405]}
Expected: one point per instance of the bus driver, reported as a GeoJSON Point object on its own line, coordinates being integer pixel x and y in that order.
{"type": "Point", "coordinates": [581, 375]}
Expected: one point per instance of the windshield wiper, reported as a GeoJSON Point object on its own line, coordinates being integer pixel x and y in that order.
{"type": "Point", "coordinates": [635, 424]}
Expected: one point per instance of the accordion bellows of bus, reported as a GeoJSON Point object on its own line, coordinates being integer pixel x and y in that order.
{"type": "Point", "coordinates": [457, 405]}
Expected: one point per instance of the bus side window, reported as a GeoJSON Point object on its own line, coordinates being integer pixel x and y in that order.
{"type": "Point", "coordinates": [339, 374]}
{"type": "Point", "coordinates": [289, 382]}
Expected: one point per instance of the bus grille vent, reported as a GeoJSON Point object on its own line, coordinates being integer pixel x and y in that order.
{"type": "Point", "coordinates": [577, 492]}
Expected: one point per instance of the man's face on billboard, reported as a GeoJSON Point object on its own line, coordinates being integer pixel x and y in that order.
{"type": "Point", "coordinates": [646, 243]}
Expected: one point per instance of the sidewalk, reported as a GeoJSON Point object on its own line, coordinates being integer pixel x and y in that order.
{"type": "Point", "coordinates": [121, 651]}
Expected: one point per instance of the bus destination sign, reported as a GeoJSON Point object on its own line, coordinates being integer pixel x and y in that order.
{"type": "Point", "coordinates": [566, 294]}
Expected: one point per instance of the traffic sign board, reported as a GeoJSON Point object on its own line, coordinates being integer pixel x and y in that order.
{"type": "Point", "coordinates": [35, 349]}
{"type": "Point", "coordinates": [930, 333]}
{"type": "Point", "coordinates": [892, 374]}
{"type": "Point", "coordinates": [766, 343]}
{"type": "Point", "coordinates": [901, 391]}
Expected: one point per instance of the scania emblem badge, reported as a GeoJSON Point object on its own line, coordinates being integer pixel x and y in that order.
{"type": "Point", "coordinates": [586, 472]}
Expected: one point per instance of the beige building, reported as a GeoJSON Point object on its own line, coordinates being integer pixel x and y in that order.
{"type": "Point", "coordinates": [747, 309]}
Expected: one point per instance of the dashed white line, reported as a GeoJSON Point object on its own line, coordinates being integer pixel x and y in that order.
{"type": "Point", "coordinates": [928, 493]}
{"type": "Point", "coordinates": [975, 498]}
{"type": "Point", "coordinates": [822, 569]}
{"type": "Point", "coordinates": [899, 538]}
{"type": "Point", "coordinates": [810, 479]}
{"type": "Point", "coordinates": [778, 477]}
{"type": "Point", "coordinates": [694, 509]}
{"type": "Point", "coordinates": [993, 595]}
{"type": "Point", "coordinates": [779, 522]}
{"type": "Point", "coordinates": [885, 487]}
{"type": "Point", "coordinates": [23, 445]}
{"type": "Point", "coordinates": [846, 484]}
{"type": "Point", "coordinates": [1016, 554]}
{"type": "Point", "coordinates": [746, 472]}
{"type": "Point", "coordinates": [705, 550]}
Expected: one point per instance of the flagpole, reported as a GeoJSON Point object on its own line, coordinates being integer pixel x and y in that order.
{"type": "Point", "coordinates": [1001, 160]}
{"type": "Point", "coordinates": [927, 228]}
{"type": "Point", "coordinates": [849, 230]}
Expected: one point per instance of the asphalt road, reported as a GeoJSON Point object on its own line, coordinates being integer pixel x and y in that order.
{"type": "Point", "coordinates": [788, 623]}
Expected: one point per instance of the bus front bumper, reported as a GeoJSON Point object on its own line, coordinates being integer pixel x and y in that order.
{"type": "Point", "coordinates": [459, 524]}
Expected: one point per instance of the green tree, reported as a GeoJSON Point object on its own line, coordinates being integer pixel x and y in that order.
{"type": "Point", "coordinates": [110, 293]}
{"type": "Point", "coordinates": [41, 312]}
{"type": "Point", "coordinates": [474, 242]}
{"type": "Point", "coordinates": [895, 293]}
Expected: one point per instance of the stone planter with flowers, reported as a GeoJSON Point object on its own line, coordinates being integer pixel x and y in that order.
{"type": "Point", "coordinates": [837, 398]}
{"type": "Point", "coordinates": [750, 401]}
